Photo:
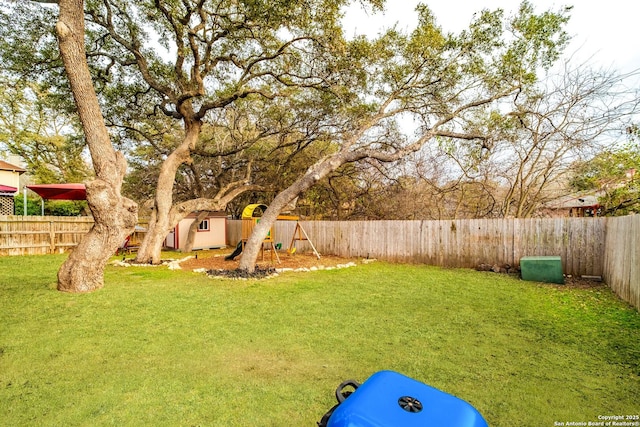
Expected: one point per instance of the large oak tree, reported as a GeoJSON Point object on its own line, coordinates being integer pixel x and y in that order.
{"type": "Point", "coordinates": [214, 53]}
{"type": "Point", "coordinates": [115, 216]}
{"type": "Point", "coordinates": [187, 60]}
{"type": "Point", "coordinates": [443, 82]}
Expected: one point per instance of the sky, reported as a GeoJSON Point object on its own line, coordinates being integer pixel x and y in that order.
{"type": "Point", "coordinates": [603, 32]}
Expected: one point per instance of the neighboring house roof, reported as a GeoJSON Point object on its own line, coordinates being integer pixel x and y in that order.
{"type": "Point", "coordinates": [60, 191]}
{"type": "Point", "coordinates": [573, 201]}
{"type": "Point", "coordinates": [6, 166]}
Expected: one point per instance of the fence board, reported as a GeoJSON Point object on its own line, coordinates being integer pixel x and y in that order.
{"type": "Point", "coordinates": [622, 258]}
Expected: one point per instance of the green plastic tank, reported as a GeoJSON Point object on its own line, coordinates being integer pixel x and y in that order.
{"type": "Point", "coordinates": [546, 269]}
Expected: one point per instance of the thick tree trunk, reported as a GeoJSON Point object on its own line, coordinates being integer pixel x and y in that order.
{"type": "Point", "coordinates": [314, 174]}
{"type": "Point", "coordinates": [151, 246]}
{"type": "Point", "coordinates": [308, 180]}
{"type": "Point", "coordinates": [115, 216]}
{"type": "Point", "coordinates": [193, 229]}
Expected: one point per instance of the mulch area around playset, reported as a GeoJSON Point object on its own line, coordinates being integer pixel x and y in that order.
{"type": "Point", "coordinates": [214, 261]}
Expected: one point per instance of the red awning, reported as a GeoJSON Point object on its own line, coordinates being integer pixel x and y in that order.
{"type": "Point", "coordinates": [60, 191]}
{"type": "Point", "coordinates": [7, 189]}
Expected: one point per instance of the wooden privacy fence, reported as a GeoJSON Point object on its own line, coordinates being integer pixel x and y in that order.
{"type": "Point", "coordinates": [458, 243]}
{"type": "Point", "coordinates": [607, 247]}
{"type": "Point", "coordinates": [38, 235]}
{"type": "Point", "coordinates": [622, 258]}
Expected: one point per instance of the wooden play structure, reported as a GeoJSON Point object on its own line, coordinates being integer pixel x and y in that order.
{"type": "Point", "coordinates": [251, 216]}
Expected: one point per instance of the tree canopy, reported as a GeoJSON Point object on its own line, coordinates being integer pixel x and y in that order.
{"type": "Point", "coordinates": [443, 82]}
{"type": "Point", "coordinates": [35, 127]}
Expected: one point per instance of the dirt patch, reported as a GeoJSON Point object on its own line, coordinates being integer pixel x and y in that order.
{"type": "Point", "coordinates": [215, 260]}
{"type": "Point", "coordinates": [579, 282]}
{"type": "Point", "coordinates": [582, 283]}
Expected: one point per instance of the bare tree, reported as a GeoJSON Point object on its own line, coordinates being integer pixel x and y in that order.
{"type": "Point", "coordinates": [573, 116]}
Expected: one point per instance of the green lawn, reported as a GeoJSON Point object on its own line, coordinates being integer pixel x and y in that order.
{"type": "Point", "coordinates": [173, 348]}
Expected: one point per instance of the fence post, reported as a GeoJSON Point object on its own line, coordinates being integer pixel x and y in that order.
{"type": "Point", "coordinates": [52, 238]}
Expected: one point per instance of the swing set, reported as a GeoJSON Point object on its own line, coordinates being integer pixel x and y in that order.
{"type": "Point", "coordinates": [251, 216]}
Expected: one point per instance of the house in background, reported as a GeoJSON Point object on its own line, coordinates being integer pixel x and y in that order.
{"type": "Point", "coordinates": [211, 234]}
{"type": "Point", "coordinates": [9, 185]}
{"type": "Point", "coordinates": [585, 205]}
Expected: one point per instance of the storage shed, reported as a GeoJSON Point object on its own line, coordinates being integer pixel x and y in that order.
{"type": "Point", "coordinates": [211, 234]}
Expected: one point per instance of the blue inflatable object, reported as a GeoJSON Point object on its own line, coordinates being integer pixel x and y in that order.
{"type": "Point", "coordinates": [390, 399]}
